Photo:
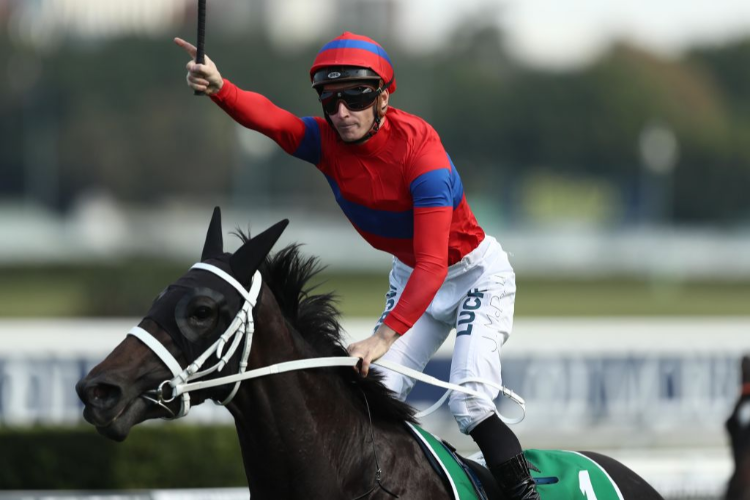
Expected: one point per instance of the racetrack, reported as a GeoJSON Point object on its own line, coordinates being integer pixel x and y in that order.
{"type": "Point", "coordinates": [665, 385]}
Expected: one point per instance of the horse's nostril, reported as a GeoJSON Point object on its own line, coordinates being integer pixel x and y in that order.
{"type": "Point", "coordinates": [102, 395]}
{"type": "Point", "coordinates": [98, 392]}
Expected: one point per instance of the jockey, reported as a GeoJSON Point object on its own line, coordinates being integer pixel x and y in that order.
{"type": "Point", "coordinates": [401, 191]}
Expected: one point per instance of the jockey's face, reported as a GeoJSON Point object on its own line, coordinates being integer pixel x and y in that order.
{"type": "Point", "coordinates": [353, 125]}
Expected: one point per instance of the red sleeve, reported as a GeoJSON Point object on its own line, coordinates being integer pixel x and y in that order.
{"type": "Point", "coordinates": [431, 233]}
{"type": "Point", "coordinates": [430, 187]}
{"type": "Point", "coordinates": [257, 112]}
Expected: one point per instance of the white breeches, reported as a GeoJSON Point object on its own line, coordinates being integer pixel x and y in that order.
{"type": "Point", "coordinates": [477, 298]}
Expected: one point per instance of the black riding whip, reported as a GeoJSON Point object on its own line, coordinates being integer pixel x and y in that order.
{"type": "Point", "coordinates": [201, 43]}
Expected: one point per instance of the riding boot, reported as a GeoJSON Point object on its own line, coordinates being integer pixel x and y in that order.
{"type": "Point", "coordinates": [514, 479]}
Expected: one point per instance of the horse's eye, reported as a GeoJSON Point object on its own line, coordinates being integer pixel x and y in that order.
{"type": "Point", "coordinates": [202, 312]}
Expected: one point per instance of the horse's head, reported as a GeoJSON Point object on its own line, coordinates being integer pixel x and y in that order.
{"type": "Point", "coordinates": [195, 328]}
{"type": "Point", "coordinates": [738, 427]}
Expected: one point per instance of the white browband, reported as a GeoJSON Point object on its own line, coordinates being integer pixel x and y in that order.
{"type": "Point", "coordinates": [243, 326]}
{"type": "Point", "coordinates": [236, 284]}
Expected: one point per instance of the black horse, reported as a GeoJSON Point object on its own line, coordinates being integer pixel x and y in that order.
{"type": "Point", "coordinates": [323, 433]}
{"type": "Point", "coordinates": [738, 427]}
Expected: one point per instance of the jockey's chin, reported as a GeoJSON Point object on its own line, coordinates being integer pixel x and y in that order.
{"type": "Point", "coordinates": [353, 128]}
{"type": "Point", "coordinates": [352, 125]}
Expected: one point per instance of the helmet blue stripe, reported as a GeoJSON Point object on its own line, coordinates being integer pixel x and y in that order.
{"type": "Point", "coordinates": [357, 44]}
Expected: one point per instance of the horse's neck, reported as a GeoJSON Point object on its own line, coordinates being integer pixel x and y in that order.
{"type": "Point", "coordinates": [297, 427]}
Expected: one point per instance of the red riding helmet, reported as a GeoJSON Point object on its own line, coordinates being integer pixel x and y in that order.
{"type": "Point", "coordinates": [352, 57]}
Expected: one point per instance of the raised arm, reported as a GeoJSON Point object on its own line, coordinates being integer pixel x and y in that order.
{"type": "Point", "coordinates": [252, 110]}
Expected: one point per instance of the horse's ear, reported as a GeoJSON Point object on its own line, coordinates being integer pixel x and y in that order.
{"type": "Point", "coordinates": [214, 245]}
{"type": "Point", "coordinates": [248, 258]}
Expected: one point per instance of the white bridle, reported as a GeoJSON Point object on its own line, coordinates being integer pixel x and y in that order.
{"type": "Point", "coordinates": [244, 326]}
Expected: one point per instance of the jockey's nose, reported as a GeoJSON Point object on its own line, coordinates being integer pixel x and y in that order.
{"type": "Point", "coordinates": [341, 109]}
{"type": "Point", "coordinates": [98, 394]}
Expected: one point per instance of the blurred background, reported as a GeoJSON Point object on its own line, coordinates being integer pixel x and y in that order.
{"type": "Point", "coordinates": [606, 146]}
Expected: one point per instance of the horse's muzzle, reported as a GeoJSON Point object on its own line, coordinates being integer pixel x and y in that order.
{"type": "Point", "coordinates": [102, 396]}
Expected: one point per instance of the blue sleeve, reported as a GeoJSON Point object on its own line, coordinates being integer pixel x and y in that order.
{"type": "Point", "coordinates": [309, 148]}
{"type": "Point", "coordinates": [438, 188]}
{"type": "Point", "coordinates": [432, 189]}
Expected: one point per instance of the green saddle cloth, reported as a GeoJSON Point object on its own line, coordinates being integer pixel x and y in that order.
{"type": "Point", "coordinates": [562, 475]}
{"type": "Point", "coordinates": [569, 475]}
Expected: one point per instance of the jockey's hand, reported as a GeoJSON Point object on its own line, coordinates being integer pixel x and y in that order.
{"type": "Point", "coordinates": [202, 77]}
{"type": "Point", "coordinates": [373, 348]}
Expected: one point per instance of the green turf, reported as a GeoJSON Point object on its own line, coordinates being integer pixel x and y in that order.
{"type": "Point", "coordinates": [128, 288]}
{"type": "Point", "coordinates": [364, 296]}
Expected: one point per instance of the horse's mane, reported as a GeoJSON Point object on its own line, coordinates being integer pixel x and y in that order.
{"type": "Point", "coordinates": [316, 318]}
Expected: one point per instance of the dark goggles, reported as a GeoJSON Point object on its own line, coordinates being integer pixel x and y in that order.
{"type": "Point", "coordinates": [354, 98]}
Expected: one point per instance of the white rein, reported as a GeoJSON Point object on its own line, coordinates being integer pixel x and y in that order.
{"type": "Point", "coordinates": [244, 326]}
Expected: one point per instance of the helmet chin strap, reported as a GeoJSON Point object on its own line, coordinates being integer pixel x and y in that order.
{"type": "Point", "coordinates": [375, 125]}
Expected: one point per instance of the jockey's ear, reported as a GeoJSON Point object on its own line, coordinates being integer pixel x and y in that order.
{"type": "Point", "coordinates": [248, 258]}
{"type": "Point", "coordinates": [383, 102]}
{"type": "Point", "coordinates": [214, 245]}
